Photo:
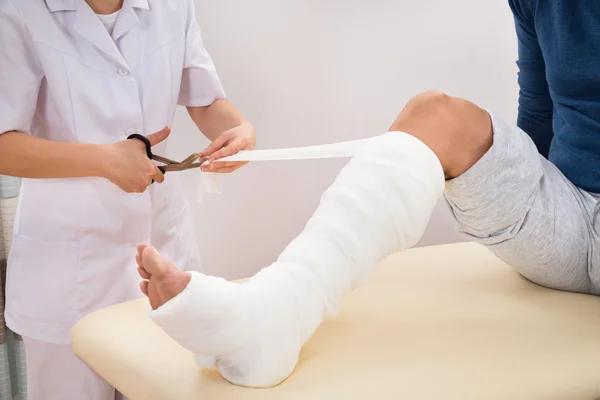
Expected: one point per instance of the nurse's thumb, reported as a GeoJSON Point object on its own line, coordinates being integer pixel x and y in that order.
{"type": "Point", "coordinates": [157, 137]}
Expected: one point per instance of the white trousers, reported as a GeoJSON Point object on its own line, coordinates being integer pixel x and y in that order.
{"type": "Point", "coordinates": [54, 372]}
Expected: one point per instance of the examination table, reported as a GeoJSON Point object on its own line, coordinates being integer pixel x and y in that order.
{"type": "Point", "coordinates": [445, 322]}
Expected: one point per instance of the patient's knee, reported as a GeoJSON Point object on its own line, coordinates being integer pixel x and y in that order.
{"type": "Point", "coordinates": [456, 130]}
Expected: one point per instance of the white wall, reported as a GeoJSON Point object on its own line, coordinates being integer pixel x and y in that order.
{"type": "Point", "coordinates": [320, 71]}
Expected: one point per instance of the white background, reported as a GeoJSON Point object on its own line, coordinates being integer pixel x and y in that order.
{"type": "Point", "coordinates": [310, 72]}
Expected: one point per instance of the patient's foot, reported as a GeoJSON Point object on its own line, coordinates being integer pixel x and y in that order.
{"type": "Point", "coordinates": [162, 280]}
{"type": "Point", "coordinates": [252, 332]}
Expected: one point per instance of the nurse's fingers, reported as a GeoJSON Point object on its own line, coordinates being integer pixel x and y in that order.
{"type": "Point", "coordinates": [229, 150]}
{"type": "Point", "coordinates": [157, 137]}
{"type": "Point", "coordinates": [228, 169]}
{"type": "Point", "coordinates": [218, 143]}
{"type": "Point", "coordinates": [218, 165]}
{"type": "Point", "coordinates": [158, 176]}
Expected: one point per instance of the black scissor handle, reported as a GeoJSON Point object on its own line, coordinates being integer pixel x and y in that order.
{"type": "Point", "coordinates": [144, 140]}
{"type": "Point", "coordinates": [148, 146]}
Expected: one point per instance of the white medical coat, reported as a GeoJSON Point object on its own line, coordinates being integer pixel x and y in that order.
{"type": "Point", "coordinates": [64, 78]}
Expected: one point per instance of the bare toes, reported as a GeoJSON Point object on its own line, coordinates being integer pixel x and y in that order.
{"type": "Point", "coordinates": [144, 287]}
{"type": "Point", "coordinates": [140, 250]}
{"type": "Point", "coordinates": [143, 273]}
{"type": "Point", "coordinates": [153, 263]}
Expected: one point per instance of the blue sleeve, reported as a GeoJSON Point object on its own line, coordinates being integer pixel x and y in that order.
{"type": "Point", "coordinates": [535, 103]}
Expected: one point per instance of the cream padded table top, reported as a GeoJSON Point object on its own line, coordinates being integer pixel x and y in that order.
{"type": "Point", "coordinates": [447, 322]}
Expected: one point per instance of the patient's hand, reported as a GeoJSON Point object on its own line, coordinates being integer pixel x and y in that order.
{"type": "Point", "coordinates": [162, 280]}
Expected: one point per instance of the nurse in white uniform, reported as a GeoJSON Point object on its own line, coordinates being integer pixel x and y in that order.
{"type": "Point", "coordinates": [76, 79]}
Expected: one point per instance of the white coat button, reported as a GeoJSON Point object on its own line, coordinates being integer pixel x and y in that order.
{"type": "Point", "coordinates": [123, 72]}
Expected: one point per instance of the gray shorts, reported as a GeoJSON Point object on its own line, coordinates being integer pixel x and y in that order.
{"type": "Point", "coordinates": [521, 207]}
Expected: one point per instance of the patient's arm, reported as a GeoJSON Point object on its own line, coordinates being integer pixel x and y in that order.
{"type": "Point", "coordinates": [253, 332]}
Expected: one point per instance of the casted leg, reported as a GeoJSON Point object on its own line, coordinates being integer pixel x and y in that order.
{"type": "Point", "coordinates": [380, 203]}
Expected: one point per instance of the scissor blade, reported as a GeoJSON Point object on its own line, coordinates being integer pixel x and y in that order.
{"type": "Point", "coordinates": [164, 159]}
{"type": "Point", "coordinates": [188, 161]}
{"type": "Point", "coordinates": [179, 167]}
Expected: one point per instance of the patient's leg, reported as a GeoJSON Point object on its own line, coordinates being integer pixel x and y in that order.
{"type": "Point", "coordinates": [380, 203]}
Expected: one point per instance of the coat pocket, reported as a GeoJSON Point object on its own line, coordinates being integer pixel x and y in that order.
{"type": "Point", "coordinates": [41, 281]}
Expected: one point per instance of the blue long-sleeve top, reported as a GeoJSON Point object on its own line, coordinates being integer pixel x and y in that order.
{"type": "Point", "coordinates": [559, 81]}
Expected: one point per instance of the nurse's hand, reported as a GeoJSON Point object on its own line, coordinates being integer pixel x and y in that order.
{"type": "Point", "coordinates": [128, 166]}
{"type": "Point", "coordinates": [230, 142]}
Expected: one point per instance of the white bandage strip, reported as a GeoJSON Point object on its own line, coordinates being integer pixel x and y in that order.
{"type": "Point", "coordinates": [333, 150]}
{"type": "Point", "coordinates": [208, 181]}
{"type": "Point", "coordinates": [253, 332]}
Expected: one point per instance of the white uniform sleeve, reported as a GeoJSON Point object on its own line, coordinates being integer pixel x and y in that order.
{"type": "Point", "coordinates": [20, 72]}
{"type": "Point", "coordinates": [200, 83]}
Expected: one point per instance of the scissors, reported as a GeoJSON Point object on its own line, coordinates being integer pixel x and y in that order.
{"type": "Point", "coordinates": [188, 163]}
